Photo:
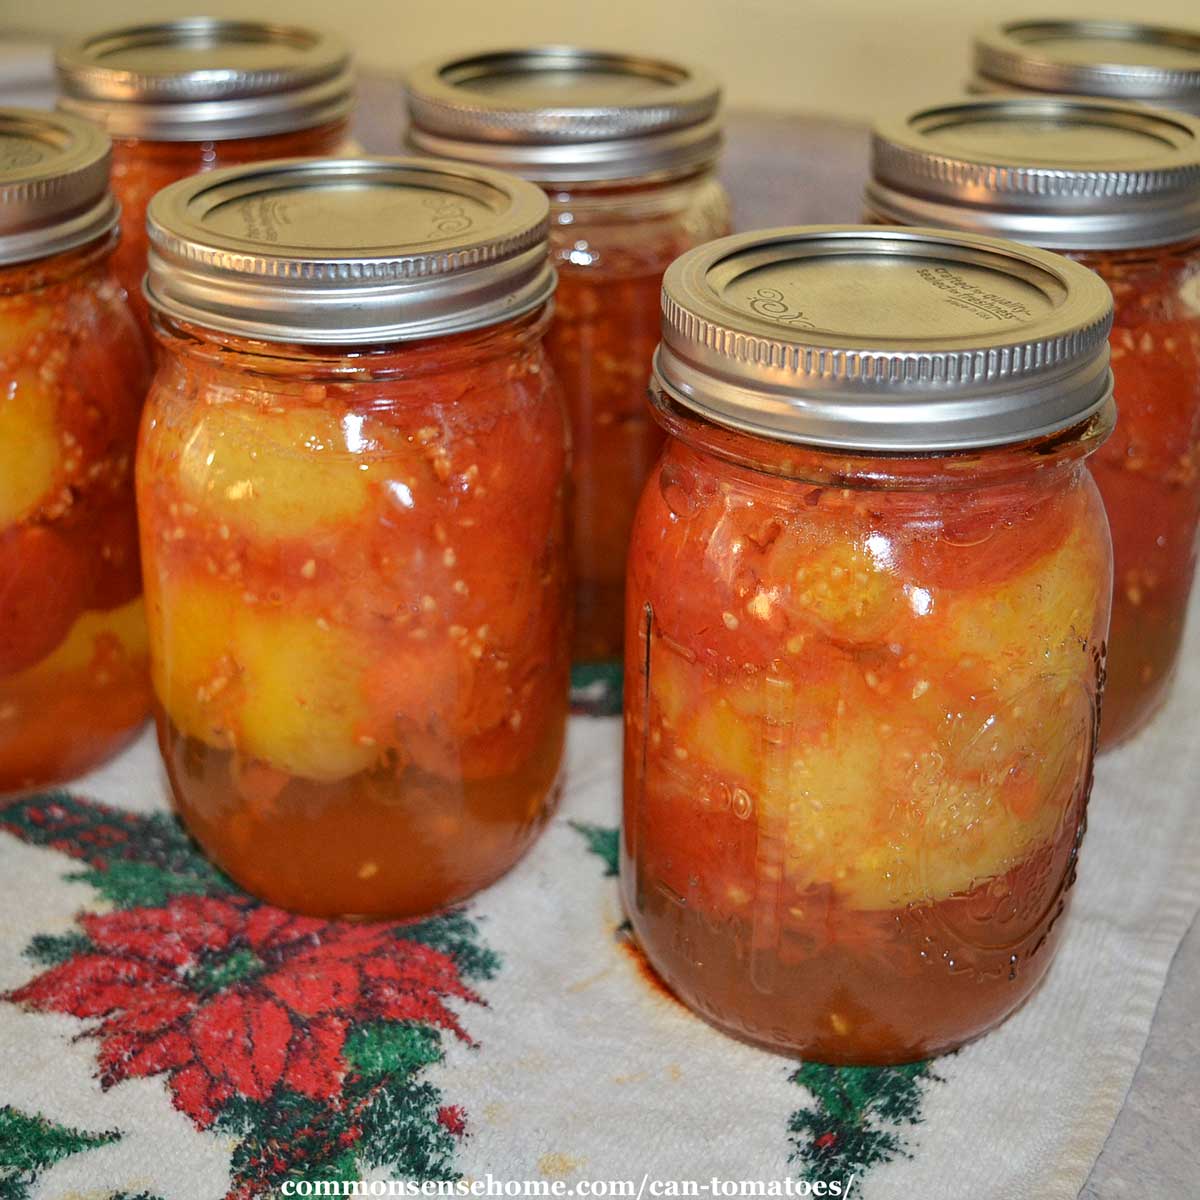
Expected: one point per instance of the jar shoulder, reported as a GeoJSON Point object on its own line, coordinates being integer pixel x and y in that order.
{"type": "Point", "coordinates": [37, 298]}
{"type": "Point", "coordinates": [74, 340]}
{"type": "Point", "coordinates": [745, 562]}
{"type": "Point", "coordinates": [141, 168]}
{"type": "Point", "coordinates": [425, 437]}
{"type": "Point", "coordinates": [643, 232]}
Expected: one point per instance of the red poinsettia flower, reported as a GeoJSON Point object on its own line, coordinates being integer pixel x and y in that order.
{"type": "Point", "coordinates": [230, 998]}
{"type": "Point", "coordinates": [453, 1117]}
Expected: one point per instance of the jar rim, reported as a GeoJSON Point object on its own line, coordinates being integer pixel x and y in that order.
{"type": "Point", "coordinates": [54, 185]}
{"type": "Point", "coordinates": [1020, 53]}
{"type": "Point", "coordinates": [884, 338]}
{"type": "Point", "coordinates": [891, 470]}
{"type": "Point", "coordinates": [566, 114]}
{"type": "Point", "coordinates": [338, 251]}
{"type": "Point", "coordinates": [202, 78]}
{"type": "Point", "coordinates": [347, 361]}
{"type": "Point", "coordinates": [1068, 172]}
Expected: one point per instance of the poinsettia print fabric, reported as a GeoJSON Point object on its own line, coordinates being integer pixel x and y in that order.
{"type": "Point", "coordinates": [304, 1039]}
{"type": "Point", "coordinates": [228, 999]}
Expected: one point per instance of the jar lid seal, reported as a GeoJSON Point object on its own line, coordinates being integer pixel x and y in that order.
{"type": "Point", "coordinates": [1065, 172]}
{"type": "Point", "coordinates": [341, 251]}
{"type": "Point", "coordinates": [201, 78]}
{"type": "Point", "coordinates": [886, 339]}
{"type": "Point", "coordinates": [1122, 60]}
{"type": "Point", "coordinates": [565, 113]}
{"type": "Point", "coordinates": [54, 193]}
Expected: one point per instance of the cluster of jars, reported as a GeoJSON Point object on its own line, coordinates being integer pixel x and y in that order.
{"type": "Point", "coordinates": [386, 484]}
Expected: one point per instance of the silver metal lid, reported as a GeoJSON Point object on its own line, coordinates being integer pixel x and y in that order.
{"type": "Point", "coordinates": [562, 114]}
{"type": "Point", "coordinates": [875, 338]}
{"type": "Point", "coordinates": [200, 78]}
{"type": "Point", "coordinates": [1123, 60]}
{"type": "Point", "coordinates": [339, 251]}
{"type": "Point", "coordinates": [1065, 172]}
{"type": "Point", "coordinates": [53, 184]}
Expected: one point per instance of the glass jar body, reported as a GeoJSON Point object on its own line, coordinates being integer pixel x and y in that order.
{"type": "Point", "coordinates": [74, 684]}
{"type": "Point", "coordinates": [861, 708]}
{"type": "Point", "coordinates": [1149, 473]}
{"type": "Point", "coordinates": [141, 167]}
{"type": "Point", "coordinates": [611, 246]}
{"type": "Point", "coordinates": [357, 592]}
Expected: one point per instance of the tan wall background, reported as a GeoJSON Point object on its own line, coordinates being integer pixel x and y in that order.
{"type": "Point", "coordinates": [853, 57]}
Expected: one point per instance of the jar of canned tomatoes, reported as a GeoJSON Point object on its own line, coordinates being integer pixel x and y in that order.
{"type": "Point", "coordinates": [868, 595]}
{"type": "Point", "coordinates": [1120, 60]}
{"type": "Point", "coordinates": [1116, 187]}
{"type": "Point", "coordinates": [625, 147]}
{"type": "Point", "coordinates": [183, 96]}
{"type": "Point", "coordinates": [352, 487]}
{"type": "Point", "coordinates": [73, 372]}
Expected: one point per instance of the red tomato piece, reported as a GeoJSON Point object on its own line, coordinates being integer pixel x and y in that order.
{"type": "Point", "coordinates": [43, 586]}
{"type": "Point", "coordinates": [108, 541]}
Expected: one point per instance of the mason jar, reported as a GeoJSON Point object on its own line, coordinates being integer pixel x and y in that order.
{"type": "Point", "coordinates": [74, 684]}
{"type": "Point", "coordinates": [1116, 187]}
{"type": "Point", "coordinates": [868, 595]}
{"type": "Point", "coordinates": [197, 93]}
{"type": "Point", "coordinates": [352, 490]}
{"type": "Point", "coordinates": [1157, 65]}
{"type": "Point", "coordinates": [625, 147]}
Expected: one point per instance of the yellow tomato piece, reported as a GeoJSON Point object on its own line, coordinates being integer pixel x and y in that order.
{"type": "Point", "coordinates": [274, 474]}
{"type": "Point", "coordinates": [953, 803]}
{"type": "Point", "coordinates": [274, 686]}
{"type": "Point", "coordinates": [30, 454]}
{"type": "Point", "coordinates": [672, 680]}
{"type": "Point", "coordinates": [843, 587]}
{"type": "Point", "coordinates": [191, 634]}
{"type": "Point", "coordinates": [20, 323]}
{"type": "Point", "coordinates": [1034, 624]}
{"type": "Point", "coordinates": [303, 710]}
{"type": "Point", "coordinates": [901, 797]}
{"type": "Point", "coordinates": [883, 830]}
{"type": "Point", "coordinates": [730, 744]}
{"type": "Point", "coordinates": [77, 650]}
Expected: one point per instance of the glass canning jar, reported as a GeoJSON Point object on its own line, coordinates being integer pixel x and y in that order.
{"type": "Point", "coordinates": [73, 373]}
{"type": "Point", "coordinates": [625, 148]}
{"type": "Point", "coordinates": [195, 94]}
{"type": "Point", "coordinates": [1119, 60]}
{"type": "Point", "coordinates": [868, 594]}
{"type": "Point", "coordinates": [352, 491]}
{"type": "Point", "coordinates": [1116, 187]}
